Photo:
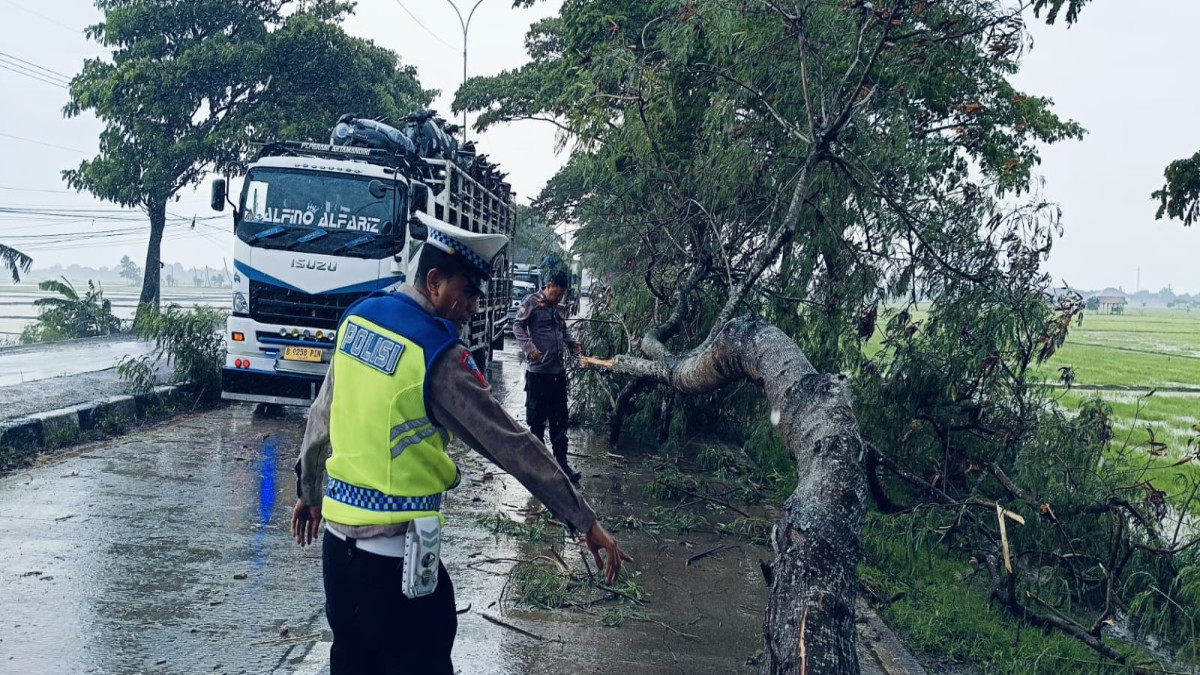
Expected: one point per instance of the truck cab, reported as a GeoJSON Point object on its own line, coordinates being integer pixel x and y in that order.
{"type": "Point", "coordinates": [320, 226]}
{"type": "Point", "coordinates": [520, 289]}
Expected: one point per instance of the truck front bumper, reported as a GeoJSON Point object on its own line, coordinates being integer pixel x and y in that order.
{"type": "Point", "coordinates": [269, 387]}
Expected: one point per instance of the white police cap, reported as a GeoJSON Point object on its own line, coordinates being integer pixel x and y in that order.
{"type": "Point", "coordinates": [480, 250]}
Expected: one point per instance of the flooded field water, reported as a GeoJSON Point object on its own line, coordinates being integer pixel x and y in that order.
{"type": "Point", "coordinates": [17, 309]}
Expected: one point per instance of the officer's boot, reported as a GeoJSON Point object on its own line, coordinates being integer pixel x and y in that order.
{"type": "Point", "coordinates": [561, 456]}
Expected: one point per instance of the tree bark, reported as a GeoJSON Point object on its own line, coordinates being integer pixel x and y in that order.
{"type": "Point", "coordinates": [664, 417]}
{"type": "Point", "coordinates": [809, 623]}
{"type": "Point", "coordinates": [616, 418]}
{"type": "Point", "coordinates": [157, 208]}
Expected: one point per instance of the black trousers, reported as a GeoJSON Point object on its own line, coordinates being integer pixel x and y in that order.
{"type": "Point", "coordinates": [546, 401]}
{"type": "Point", "coordinates": [375, 628]}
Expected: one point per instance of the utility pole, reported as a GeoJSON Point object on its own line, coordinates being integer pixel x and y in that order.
{"type": "Point", "coordinates": [466, 25]}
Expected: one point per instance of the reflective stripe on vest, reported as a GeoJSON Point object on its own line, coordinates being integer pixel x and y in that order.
{"type": "Point", "coordinates": [374, 500]}
{"type": "Point", "coordinates": [389, 463]}
{"type": "Point", "coordinates": [401, 429]}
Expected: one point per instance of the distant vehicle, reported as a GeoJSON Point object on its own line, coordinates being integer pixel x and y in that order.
{"type": "Point", "coordinates": [318, 226]}
{"type": "Point", "coordinates": [519, 291]}
{"type": "Point", "coordinates": [530, 274]}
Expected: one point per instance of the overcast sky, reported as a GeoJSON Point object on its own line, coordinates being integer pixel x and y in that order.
{"type": "Point", "coordinates": [1128, 75]}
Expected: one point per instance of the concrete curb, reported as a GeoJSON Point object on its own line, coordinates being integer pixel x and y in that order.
{"type": "Point", "coordinates": [25, 437]}
{"type": "Point", "coordinates": [880, 651]}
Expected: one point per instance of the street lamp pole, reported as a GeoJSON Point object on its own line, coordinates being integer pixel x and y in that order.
{"type": "Point", "coordinates": [466, 25]}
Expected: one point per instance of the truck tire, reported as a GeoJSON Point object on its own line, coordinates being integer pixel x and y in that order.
{"type": "Point", "coordinates": [498, 343]}
{"type": "Point", "coordinates": [272, 411]}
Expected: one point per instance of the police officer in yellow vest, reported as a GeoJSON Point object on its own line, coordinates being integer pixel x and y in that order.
{"type": "Point", "coordinates": [399, 387]}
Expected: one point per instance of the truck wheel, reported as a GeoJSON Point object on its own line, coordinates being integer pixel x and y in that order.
{"type": "Point", "coordinates": [498, 343]}
{"type": "Point", "coordinates": [272, 411]}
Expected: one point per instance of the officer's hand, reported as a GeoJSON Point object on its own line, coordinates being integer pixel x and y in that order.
{"type": "Point", "coordinates": [305, 521]}
{"type": "Point", "coordinates": [535, 354]}
{"type": "Point", "coordinates": [599, 538]}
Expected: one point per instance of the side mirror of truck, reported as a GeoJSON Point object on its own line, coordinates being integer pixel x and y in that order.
{"type": "Point", "coordinates": [418, 197]}
{"type": "Point", "coordinates": [417, 230]}
{"type": "Point", "coordinates": [218, 194]}
{"type": "Point", "coordinates": [418, 200]}
{"type": "Point", "coordinates": [377, 189]}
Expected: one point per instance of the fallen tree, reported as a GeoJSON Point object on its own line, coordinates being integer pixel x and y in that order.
{"type": "Point", "coordinates": [826, 167]}
{"type": "Point", "coordinates": [810, 615]}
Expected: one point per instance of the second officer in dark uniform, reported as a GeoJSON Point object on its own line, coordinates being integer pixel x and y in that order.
{"type": "Point", "coordinates": [541, 329]}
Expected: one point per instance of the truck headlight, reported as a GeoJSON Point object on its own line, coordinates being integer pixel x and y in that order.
{"type": "Point", "coordinates": [240, 306]}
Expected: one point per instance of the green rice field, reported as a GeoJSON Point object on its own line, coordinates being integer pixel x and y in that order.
{"type": "Point", "coordinates": [1122, 358]}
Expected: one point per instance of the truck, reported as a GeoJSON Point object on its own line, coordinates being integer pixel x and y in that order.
{"type": "Point", "coordinates": [520, 289]}
{"type": "Point", "coordinates": [530, 274]}
{"type": "Point", "coordinates": [320, 225]}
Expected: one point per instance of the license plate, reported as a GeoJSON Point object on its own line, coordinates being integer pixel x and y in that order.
{"type": "Point", "coordinates": [312, 354]}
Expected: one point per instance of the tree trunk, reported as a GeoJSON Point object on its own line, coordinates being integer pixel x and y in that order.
{"type": "Point", "coordinates": [809, 623]}
{"type": "Point", "coordinates": [664, 416]}
{"type": "Point", "coordinates": [150, 279]}
{"type": "Point", "coordinates": [616, 418]}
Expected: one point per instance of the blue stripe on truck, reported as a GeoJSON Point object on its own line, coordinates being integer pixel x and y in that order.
{"type": "Point", "coordinates": [364, 287]}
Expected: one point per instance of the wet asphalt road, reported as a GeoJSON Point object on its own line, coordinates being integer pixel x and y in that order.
{"type": "Point", "coordinates": [168, 551]}
{"type": "Point", "coordinates": [164, 552]}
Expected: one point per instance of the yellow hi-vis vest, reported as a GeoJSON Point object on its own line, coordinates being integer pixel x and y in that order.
{"type": "Point", "coordinates": [389, 464]}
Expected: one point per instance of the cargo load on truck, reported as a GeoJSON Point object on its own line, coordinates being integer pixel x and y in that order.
{"type": "Point", "coordinates": [320, 225]}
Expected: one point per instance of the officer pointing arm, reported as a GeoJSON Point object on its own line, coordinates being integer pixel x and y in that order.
{"type": "Point", "coordinates": [462, 400]}
{"type": "Point", "coordinates": [399, 385]}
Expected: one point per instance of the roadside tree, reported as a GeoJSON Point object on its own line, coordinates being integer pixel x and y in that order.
{"type": "Point", "coordinates": [130, 270]}
{"type": "Point", "coordinates": [70, 315]}
{"type": "Point", "coordinates": [15, 262]}
{"type": "Point", "coordinates": [826, 167]}
{"type": "Point", "coordinates": [189, 85]}
{"type": "Point", "coordinates": [535, 239]}
{"type": "Point", "coordinates": [1179, 197]}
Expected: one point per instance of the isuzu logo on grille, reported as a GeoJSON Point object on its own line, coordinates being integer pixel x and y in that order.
{"type": "Point", "coordinates": [302, 263]}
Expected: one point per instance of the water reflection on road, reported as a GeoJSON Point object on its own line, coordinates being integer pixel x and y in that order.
{"type": "Point", "coordinates": [168, 551]}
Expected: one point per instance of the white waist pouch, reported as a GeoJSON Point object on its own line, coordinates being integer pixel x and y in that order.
{"type": "Point", "coordinates": [423, 544]}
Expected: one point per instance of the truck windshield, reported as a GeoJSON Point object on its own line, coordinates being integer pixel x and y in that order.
{"type": "Point", "coordinates": [530, 277]}
{"type": "Point", "coordinates": [318, 212]}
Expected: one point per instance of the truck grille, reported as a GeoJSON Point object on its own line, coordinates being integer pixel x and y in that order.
{"type": "Point", "coordinates": [272, 304]}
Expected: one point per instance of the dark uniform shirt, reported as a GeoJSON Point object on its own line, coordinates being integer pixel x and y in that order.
{"type": "Point", "coordinates": [461, 401]}
{"type": "Point", "coordinates": [541, 324]}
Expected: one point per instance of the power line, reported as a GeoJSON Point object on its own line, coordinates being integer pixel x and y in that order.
{"type": "Point", "coordinates": [117, 213]}
{"type": "Point", "coordinates": [43, 17]}
{"type": "Point", "coordinates": [48, 145]}
{"type": "Point", "coordinates": [435, 35]}
{"type": "Point", "coordinates": [30, 72]}
{"type": "Point", "coordinates": [23, 189]}
{"type": "Point", "coordinates": [44, 236]}
{"type": "Point", "coordinates": [110, 239]}
{"type": "Point", "coordinates": [40, 215]}
{"type": "Point", "coordinates": [59, 208]}
{"type": "Point", "coordinates": [8, 67]}
{"type": "Point", "coordinates": [51, 73]}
